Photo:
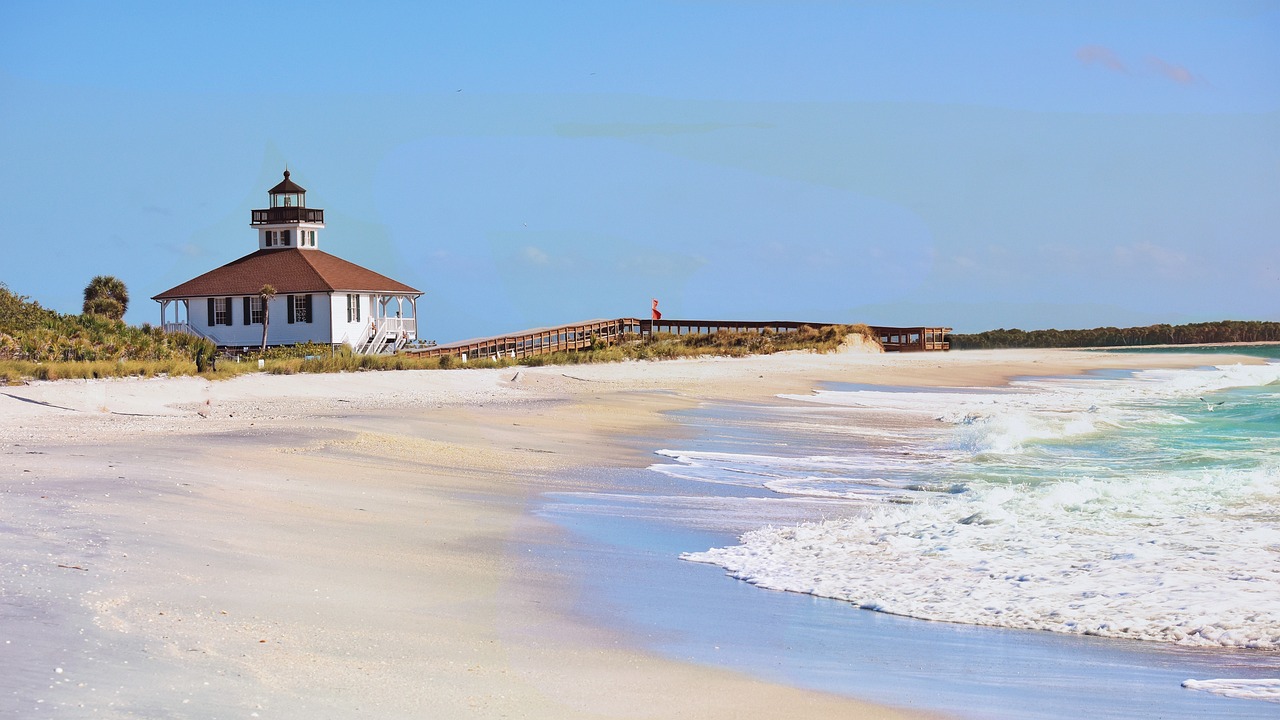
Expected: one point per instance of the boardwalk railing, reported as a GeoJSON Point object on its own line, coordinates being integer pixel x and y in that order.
{"type": "Point", "coordinates": [702, 327]}
{"type": "Point", "coordinates": [897, 339]}
{"type": "Point", "coordinates": [541, 341]}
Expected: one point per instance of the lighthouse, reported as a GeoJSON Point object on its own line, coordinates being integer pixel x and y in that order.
{"type": "Point", "coordinates": [320, 298]}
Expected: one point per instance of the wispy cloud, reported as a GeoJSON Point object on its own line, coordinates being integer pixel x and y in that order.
{"type": "Point", "coordinates": [1101, 55]}
{"type": "Point", "coordinates": [535, 256]}
{"type": "Point", "coordinates": [1150, 257]}
{"type": "Point", "coordinates": [634, 129]}
{"type": "Point", "coordinates": [1176, 73]}
{"type": "Point", "coordinates": [1109, 59]}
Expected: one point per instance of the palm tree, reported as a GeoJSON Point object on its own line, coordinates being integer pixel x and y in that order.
{"type": "Point", "coordinates": [266, 293]}
{"type": "Point", "coordinates": [106, 295]}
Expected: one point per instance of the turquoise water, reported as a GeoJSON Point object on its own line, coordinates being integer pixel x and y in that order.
{"type": "Point", "coordinates": [1108, 509]}
{"type": "Point", "coordinates": [1268, 351]}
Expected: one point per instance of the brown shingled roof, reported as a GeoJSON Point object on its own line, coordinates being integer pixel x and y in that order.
{"type": "Point", "coordinates": [289, 270]}
{"type": "Point", "coordinates": [286, 186]}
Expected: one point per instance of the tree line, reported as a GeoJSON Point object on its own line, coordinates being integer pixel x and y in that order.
{"type": "Point", "coordinates": [1224, 331]}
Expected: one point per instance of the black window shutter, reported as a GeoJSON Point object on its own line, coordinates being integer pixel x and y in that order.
{"type": "Point", "coordinates": [246, 311]}
{"type": "Point", "coordinates": [286, 237]}
{"type": "Point", "coordinates": [227, 305]}
{"type": "Point", "coordinates": [348, 308]}
{"type": "Point", "coordinates": [211, 315]}
{"type": "Point", "coordinates": [308, 302]}
{"type": "Point", "coordinates": [289, 300]}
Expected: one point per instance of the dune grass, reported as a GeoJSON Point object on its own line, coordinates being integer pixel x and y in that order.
{"type": "Point", "coordinates": [724, 343]}
{"type": "Point", "coordinates": [311, 358]}
{"type": "Point", "coordinates": [277, 361]}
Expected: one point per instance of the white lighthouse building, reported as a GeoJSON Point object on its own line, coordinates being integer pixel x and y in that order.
{"type": "Point", "coordinates": [320, 298]}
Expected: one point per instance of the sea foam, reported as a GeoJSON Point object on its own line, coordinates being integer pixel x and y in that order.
{"type": "Point", "coordinates": [1246, 689]}
{"type": "Point", "coordinates": [1112, 507]}
{"type": "Point", "coordinates": [1192, 561]}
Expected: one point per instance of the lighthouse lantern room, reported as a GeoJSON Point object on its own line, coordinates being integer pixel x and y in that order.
{"type": "Point", "coordinates": [288, 222]}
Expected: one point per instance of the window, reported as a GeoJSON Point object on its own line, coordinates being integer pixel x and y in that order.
{"type": "Point", "coordinates": [353, 308]}
{"type": "Point", "coordinates": [255, 310]}
{"type": "Point", "coordinates": [221, 311]}
{"type": "Point", "coordinates": [311, 238]}
{"type": "Point", "coordinates": [302, 308]}
{"type": "Point", "coordinates": [279, 237]}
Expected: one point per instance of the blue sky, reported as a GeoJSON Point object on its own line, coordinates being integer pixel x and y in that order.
{"type": "Point", "coordinates": [978, 165]}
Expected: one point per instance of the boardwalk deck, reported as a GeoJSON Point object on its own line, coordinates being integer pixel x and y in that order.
{"type": "Point", "coordinates": [913, 339]}
{"type": "Point", "coordinates": [578, 336]}
{"type": "Point", "coordinates": [539, 341]}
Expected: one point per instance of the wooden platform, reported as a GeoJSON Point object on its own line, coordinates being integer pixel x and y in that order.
{"type": "Point", "coordinates": [577, 336]}
{"type": "Point", "coordinates": [913, 339]}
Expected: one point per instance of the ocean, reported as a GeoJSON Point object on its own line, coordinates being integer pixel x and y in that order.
{"type": "Point", "coordinates": [937, 533]}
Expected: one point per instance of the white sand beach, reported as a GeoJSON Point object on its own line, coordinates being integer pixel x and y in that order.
{"type": "Point", "coordinates": [357, 544]}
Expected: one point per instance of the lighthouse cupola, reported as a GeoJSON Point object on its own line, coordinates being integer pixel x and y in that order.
{"type": "Point", "coordinates": [288, 222]}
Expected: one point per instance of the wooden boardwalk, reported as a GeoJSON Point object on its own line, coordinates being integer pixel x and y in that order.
{"type": "Point", "coordinates": [577, 336]}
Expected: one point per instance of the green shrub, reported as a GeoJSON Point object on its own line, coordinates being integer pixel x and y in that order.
{"type": "Point", "coordinates": [205, 354]}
